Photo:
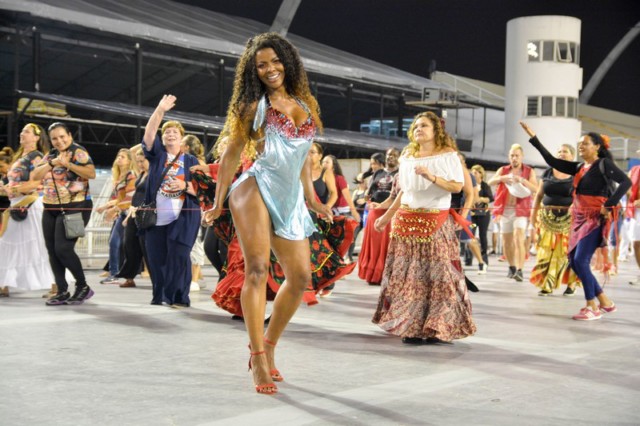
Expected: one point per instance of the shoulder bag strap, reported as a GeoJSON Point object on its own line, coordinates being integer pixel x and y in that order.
{"type": "Point", "coordinates": [164, 172]}
{"type": "Point", "coordinates": [57, 193]}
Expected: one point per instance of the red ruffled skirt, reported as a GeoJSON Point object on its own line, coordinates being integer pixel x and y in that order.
{"type": "Point", "coordinates": [374, 249]}
{"type": "Point", "coordinates": [328, 245]}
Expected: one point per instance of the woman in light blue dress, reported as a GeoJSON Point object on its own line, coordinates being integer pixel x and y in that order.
{"type": "Point", "coordinates": [271, 104]}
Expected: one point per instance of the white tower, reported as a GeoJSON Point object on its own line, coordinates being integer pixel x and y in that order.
{"type": "Point", "coordinates": [542, 82]}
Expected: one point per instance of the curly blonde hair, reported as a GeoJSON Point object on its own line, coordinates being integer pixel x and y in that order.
{"type": "Point", "coordinates": [248, 89]}
{"type": "Point", "coordinates": [442, 138]}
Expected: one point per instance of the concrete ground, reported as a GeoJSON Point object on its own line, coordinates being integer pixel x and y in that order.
{"type": "Point", "coordinates": [116, 360]}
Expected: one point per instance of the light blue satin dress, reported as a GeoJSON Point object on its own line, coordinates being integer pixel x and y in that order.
{"type": "Point", "coordinates": [277, 170]}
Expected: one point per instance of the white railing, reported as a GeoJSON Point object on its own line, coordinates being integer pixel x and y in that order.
{"type": "Point", "coordinates": [468, 89]}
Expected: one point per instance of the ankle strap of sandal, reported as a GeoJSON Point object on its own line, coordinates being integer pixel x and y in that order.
{"type": "Point", "coordinates": [257, 353]}
{"type": "Point", "coordinates": [269, 342]}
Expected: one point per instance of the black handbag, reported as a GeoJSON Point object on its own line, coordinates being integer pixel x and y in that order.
{"type": "Point", "coordinates": [73, 222]}
{"type": "Point", "coordinates": [146, 214]}
{"type": "Point", "coordinates": [19, 213]}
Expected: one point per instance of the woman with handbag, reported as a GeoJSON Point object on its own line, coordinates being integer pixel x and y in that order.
{"type": "Point", "coordinates": [133, 245]}
{"type": "Point", "coordinates": [65, 173]}
{"type": "Point", "coordinates": [23, 263]}
{"type": "Point", "coordinates": [171, 235]}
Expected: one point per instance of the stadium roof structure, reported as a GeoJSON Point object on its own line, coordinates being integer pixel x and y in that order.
{"type": "Point", "coordinates": [212, 124]}
{"type": "Point", "coordinates": [208, 31]}
{"type": "Point", "coordinates": [110, 61]}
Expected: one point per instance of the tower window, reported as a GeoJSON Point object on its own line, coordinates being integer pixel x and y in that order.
{"type": "Point", "coordinates": [561, 109]}
{"type": "Point", "coordinates": [572, 110]}
{"type": "Point", "coordinates": [563, 53]}
{"type": "Point", "coordinates": [552, 106]}
{"type": "Point", "coordinates": [546, 106]}
{"type": "Point", "coordinates": [547, 50]}
{"type": "Point", "coordinates": [553, 51]}
{"type": "Point", "coordinates": [533, 51]}
{"type": "Point", "coordinates": [532, 106]}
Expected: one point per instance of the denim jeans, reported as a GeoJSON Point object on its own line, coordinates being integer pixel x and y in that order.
{"type": "Point", "coordinates": [580, 259]}
{"type": "Point", "coordinates": [115, 245]}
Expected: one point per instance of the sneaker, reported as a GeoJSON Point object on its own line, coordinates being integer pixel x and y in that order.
{"type": "Point", "coordinates": [81, 294]}
{"type": "Point", "coordinates": [544, 292]}
{"type": "Point", "coordinates": [608, 309]}
{"type": "Point", "coordinates": [111, 279]}
{"type": "Point", "coordinates": [635, 282]}
{"type": "Point", "coordinates": [587, 314]}
{"type": "Point", "coordinates": [569, 291]}
{"type": "Point", "coordinates": [58, 299]}
{"type": "Point", "coordinates": [518, 276]}
{"type": "Point", "coordinates": [502, 258]}
{"type": "Point", "coordinates": [482, 269]}
{"type": "Point", "coordinates": [194, 286]}
{"type": "Point", "coordinates": [512, 272]}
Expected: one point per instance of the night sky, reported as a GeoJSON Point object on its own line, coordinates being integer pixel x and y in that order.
{"type": "Point", "coordinates": [464, 37]}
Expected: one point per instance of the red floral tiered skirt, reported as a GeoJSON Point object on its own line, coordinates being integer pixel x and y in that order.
{"type": "Point", "coordinates": [423, 293]}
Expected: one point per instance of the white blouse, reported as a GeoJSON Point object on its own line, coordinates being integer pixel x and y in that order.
{"type": "Point", "coordinates": [417, 191]}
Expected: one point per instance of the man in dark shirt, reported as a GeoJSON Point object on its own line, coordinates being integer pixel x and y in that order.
{"type": "Point", "coordinates": [382, 180]}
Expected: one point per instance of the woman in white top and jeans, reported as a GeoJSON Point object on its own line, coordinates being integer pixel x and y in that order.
{"type": "Point", "coordinates": [423, 294]}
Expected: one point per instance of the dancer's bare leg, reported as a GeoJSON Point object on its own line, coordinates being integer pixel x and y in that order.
{"type": "Point", "coordinates": [294, 257]}
{"type": "Point", "coordinates": [253, 227]}
{"type": "Point", "coordinates": [474, 247]}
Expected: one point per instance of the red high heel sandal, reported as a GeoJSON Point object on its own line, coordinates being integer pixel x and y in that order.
{"type": "Point", "coordinates": [275, 374]}
{"type": "Point", "coordinates": [269, 388]}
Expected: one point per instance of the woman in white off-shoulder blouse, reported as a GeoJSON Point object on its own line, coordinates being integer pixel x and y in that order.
{"type": "Point", "coordinates": [423, 295]}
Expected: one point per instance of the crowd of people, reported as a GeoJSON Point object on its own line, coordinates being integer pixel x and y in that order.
{"type": "Point", "coordinates": [277, 219]}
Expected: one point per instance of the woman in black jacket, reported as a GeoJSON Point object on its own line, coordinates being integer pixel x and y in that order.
{"type": "Point", "coordinates": [593, 204]}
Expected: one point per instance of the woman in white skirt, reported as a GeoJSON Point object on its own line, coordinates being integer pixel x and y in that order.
{"type": "Point", "coordinates": [24, 262]}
